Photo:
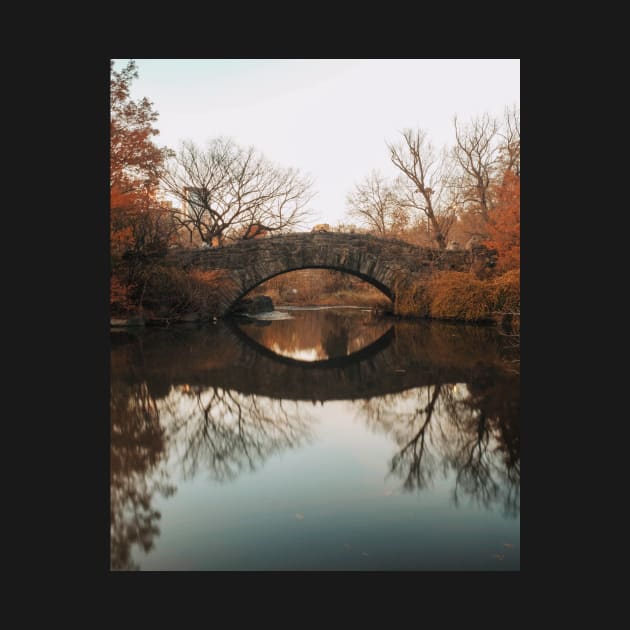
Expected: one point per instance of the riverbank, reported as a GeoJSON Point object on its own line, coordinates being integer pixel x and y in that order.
{"type": "Point", "coordinates": [170, 296]}
{"type": "Point", "coordinates": [458, 296]}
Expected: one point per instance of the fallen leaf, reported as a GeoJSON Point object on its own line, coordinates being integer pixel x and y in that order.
{"type": "Point", "coordinates": [508, 545]}
{"type": "Point", "coordinates": [498, 556]}
{"type": "Point", "coordinates": [299, 516]}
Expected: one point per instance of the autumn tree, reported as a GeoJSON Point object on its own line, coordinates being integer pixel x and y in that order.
{"type": "Point", "coordinates": [138, 218]}
{"type": "Point", "coordinates": [375, 203]}
{"type": "Point", "coordinates": [485, 148]}
{"type": "Point", "coordinates": [504, 224]}
{"type": "Point", "coordinates": [225, 190]}
{"type": "Point", "coordinates": [135, 160]}
{"type": "Point", "coordinates": [425, 183]}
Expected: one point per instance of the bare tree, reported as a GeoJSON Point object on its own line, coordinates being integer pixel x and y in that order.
{"type": "Point", "coordinates": [227, 190]}
{"type": "Point", "coordinates": [476, 152]}
{"type": "Point", "coordinates": [375, 203]}
{"type": "Point", "coordinates": [425, 183]}
{"type": "Point", "coordinates": [510, 149]}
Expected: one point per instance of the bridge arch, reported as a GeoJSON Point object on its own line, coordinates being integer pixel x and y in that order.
{"type": "Point", "coordinates": [380, 262]}
{"type": "Point", "coordinates": [387, 291]}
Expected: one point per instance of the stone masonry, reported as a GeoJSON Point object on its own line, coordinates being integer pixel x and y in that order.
{"type": "Point", "coordinates": [381, 262]}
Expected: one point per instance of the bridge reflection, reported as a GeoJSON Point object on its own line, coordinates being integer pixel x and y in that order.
{"type": "Point", "coordinates": [407, 355]}
{"type": "Point", "coordinates": [212, 398]}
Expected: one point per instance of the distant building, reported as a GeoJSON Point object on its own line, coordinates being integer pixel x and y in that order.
{"type": "Point", "coordinates": [193, 199]}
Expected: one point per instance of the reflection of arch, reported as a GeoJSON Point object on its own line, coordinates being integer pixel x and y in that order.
{"type": "Point", "coordinates": [337, 362]}
{"type": "Point", "coordinates": [419, 354]}
{"type": "Point", "coordinates": [380, 262]}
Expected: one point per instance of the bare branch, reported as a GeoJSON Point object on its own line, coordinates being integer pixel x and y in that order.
{"type": "Point", "coordinates": [425, 178]}
{"type": "Point", "coordinates": [226, 190]}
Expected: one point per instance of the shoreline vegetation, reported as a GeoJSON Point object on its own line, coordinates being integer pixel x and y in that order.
{"type": "Point", "coordinates": [170, 296]}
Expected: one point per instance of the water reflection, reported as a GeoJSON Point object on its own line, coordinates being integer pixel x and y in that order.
{"type": "Point", "coordinates": [468, 428]}
{"type": "Point", "coordinates": [316, 335]}
{"type": "Point", "coordinates": [226, 433]}
{"type": "Point", "coordinates": [204, 399]}
{"type": "Point", "coordinates": [138, 449]}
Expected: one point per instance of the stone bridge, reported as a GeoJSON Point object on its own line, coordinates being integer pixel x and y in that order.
{"type": "Point", "coordinates": [381, 262]}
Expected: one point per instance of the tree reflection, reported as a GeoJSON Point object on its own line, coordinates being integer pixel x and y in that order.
{"type": "Point", "coordinates": [228, 433]}
{"type": "Point", "coordinates": [471, 429]}
{"type": "Point", "coordinates": [225, 432]}
{"type": "Point", "coordinates": [137, 450]}
{"type": "Point", "coordinates": [203, 399]}
{"type": "Point", "coordinates": [486, 449]}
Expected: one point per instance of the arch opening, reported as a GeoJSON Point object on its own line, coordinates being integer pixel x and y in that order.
{"type": "Point", "coordinates": [321, 285]}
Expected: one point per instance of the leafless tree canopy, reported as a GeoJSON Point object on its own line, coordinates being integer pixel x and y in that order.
{"type": "Point", "coordinates": [476, 152]}
{"type": "Point", "coordinates": [227, 190]}
{"type": "Point", "coordinates": [510, 150]}
{"type": "Point", "coordinates": [485, 148]}
{"type": "Point", "coordinates": [435, 190]}
{"type": "Point", "coordinates": [375, 203]}
{"type": "Point", "coordinates": [424, 185]}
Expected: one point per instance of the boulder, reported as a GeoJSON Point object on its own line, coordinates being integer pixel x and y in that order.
{"type": "Point", "coordinates": [252, 306]}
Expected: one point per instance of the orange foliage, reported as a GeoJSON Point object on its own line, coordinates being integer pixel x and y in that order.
{"type": "Point", "coordinates": [504, 226]}
{"type": "Point", "coordinates": [137, 220]}
{"type": "Point", "coordinates": [121, 231]}
{"type": "Point", "coordinates": [135, 159]}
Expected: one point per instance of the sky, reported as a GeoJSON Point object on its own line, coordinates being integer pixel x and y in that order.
{"type": "Point", "coordinates": [330, 118]}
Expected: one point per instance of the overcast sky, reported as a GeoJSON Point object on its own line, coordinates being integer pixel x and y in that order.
{"type": "Point", "coordinates": [330, 118]}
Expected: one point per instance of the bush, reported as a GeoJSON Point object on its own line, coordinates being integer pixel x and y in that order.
{"type": "Point", "coordinates": [168, 292]}
{"type": "Point", "coordinates": [506, 291]}
{"type": "Point", "coordinates": [458, 296]}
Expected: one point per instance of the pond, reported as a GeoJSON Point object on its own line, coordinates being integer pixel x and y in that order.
{"type": "Point", "coordinates": [315, 439]}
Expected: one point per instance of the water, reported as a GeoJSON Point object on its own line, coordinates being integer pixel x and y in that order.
{"type": "Point", "coordinates": [326, 439]}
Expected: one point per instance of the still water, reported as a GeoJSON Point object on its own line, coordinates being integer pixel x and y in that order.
{"type": "Point", "coordinates": [317, 439]}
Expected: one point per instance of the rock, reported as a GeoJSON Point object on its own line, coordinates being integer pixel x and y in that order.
{"type": "Point", "coordinates": [252, 306]}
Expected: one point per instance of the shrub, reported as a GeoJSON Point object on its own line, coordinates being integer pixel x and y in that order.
{"type": "Point", "coordinates": [164, 291]}
{"type": "Point", "coordinates": [169, 292]}
{"type": "Point", "coordinates": [506, 290]}
{"type": "Point", "coordinates": [458, 296]}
